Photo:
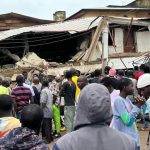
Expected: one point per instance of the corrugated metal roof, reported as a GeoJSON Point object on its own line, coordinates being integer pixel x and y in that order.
{"type": "Point", "coordinates": [116, 8]}
{"type": "Point", "coordinates": [72, 26]}
{"type": "Point", "coordinates": [128, 61]}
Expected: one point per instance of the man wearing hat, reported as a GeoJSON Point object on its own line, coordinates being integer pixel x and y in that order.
{"type": "Point", "coordinates": [143, 86]}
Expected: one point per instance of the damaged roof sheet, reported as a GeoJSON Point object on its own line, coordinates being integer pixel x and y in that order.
{"type": "Point", "coordinates": [72, 26]}
{"type": "Point", "coordinates": [128, 61]}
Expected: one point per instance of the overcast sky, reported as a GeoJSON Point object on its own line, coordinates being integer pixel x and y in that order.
{"type": "Point", "coordinates": [44, 9]}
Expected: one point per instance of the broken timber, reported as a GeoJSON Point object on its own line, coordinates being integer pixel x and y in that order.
{"type": "Point", "coordinates": [95, 39]}
{"type": "Point", "coordinates": [9, 54]}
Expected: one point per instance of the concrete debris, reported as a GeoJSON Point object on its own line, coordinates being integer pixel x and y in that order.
{"type": "Point", "coordinates": [32, 60]}
{"type": "Point", "coordinates": [83, 68]}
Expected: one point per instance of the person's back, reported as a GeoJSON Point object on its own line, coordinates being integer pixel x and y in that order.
{"type": "Point", "coordinates": [21, 95]}
{"type": "Point", "coordinates": [91, 127]}
{"type": "Point", "coordinates": [97, 74]}
{"type": "Point", "coordinates": [69, 90]}
{"type": "Point", "coordinates": [25, 137]}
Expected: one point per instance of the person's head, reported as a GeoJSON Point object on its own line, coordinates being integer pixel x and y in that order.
{"type": "Point", "coordinates": [36, 80]}
{"type": "Point", "coordinates": [136, 68]}
{"type": "Point", "coordinates": [45, 83]}
{"type": "Point", "coordinates": [112, 72]}
{"type": "Point", "coordinates": [106, 70]}
{"type": "Point", "coordinates": [142, 67]}
{"type": "Point", "coordinates": [97, 72]}
{"type": "Point", "coordinates": [130, 74]}
{"type": "Point", "coordinates": [58, 78]}
{"type": "Point", "coordinates": [6, 104]}
{"type": "Point", "coordinates": [126, 86]}
{"type": "Point", "coordinates": [82, 82]}
{"type": "Point", "coordinates": [51, 78]}
{"type": "Point", "coordinates": [78, 73]}
{"type": "Point", "coordinates": [20, 80]}
{"type": "Point", "coordinates": [31, 117]}
{"type": "Point", "coordinates": [35, 75]}
{"type": "Point", "coordinates": [146, 69]}
{"type": "Point", "coordinates": [73, 71]}
{"type": "Point", "coordinates": [107, 82]}
{"type": "Point", "coordinates": [143, 85]}
{"type": "Point", "coordinates": [68, 75]}
{"type": "Point", "coordinates": [25, 74]}
{"type": "Point", "coordinates": [94, 106]}
{"type": "Point", "coordinates": [5, 83]}
{"type": "Point", "coordinates": [120, 72]}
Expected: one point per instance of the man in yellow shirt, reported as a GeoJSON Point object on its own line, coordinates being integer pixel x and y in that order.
{"type": "Point", "coordinates": [7, 121]}
{"type": "Point", "coordinates": [3, 90]}
{"type": "Point", "coordinates": [75, 79]}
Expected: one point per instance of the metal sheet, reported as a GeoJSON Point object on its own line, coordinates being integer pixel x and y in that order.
{"type": "Point", "coordinates": [72, 26]}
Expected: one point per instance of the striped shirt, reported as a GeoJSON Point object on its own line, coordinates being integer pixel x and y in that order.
{"type": "Point", "coordinates": [22, 96]}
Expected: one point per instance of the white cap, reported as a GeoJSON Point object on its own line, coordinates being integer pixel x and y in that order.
{"type": "Point", "coordinates": [143, 81]}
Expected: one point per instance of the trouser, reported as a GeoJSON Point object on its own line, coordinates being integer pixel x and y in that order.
{"type": "Point", "coordinates": [47, 129]}
{"type": "Point", "coordinates": [143, 107]}
{"type": "Point", "coordinates": [18, 115]}
{"type": "Point", "coordinates": [56, 118]}
{"type": "Point", "coordinates": [69, 112]}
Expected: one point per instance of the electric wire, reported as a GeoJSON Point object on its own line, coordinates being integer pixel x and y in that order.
{"type": "Point", "coordinates": [37, 37]}
{"type": "Point", "coordinates": [34, 40]}
{"type": "Point", "coordinates": [48, 42]}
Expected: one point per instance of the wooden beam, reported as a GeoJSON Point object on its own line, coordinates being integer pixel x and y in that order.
{"type": "Point", "coordinates": [95, 39]}
{"type": "Point", "coordinates": [9, 54]}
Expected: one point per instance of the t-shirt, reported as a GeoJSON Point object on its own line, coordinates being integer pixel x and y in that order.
{"type": "Point", "coordinates": [30, 87]}
{"type": "Point", "coordinates": [124, 117]}
{"type": "Point", "coordinates": [7, 124]}
{"type": "Point", "coordinates": [148, 106]}
{"type": "Point", "coordinates": [4, 90]}
{"type": "Point", "coordinates": [75, 79]}
{"type": "Point", "coordinates": [27, 81]}
{"type": "Point", "coordinates": [22, 96]}
{"type": "Point", "coordinates": [37, 96]}
{"type": "Point", "coordinates": [47, 98]}
{"type": "Point", "coordinates": [137, 75]}
{"type": "Point", "coordinates": [113, 96]}
{"type": "Point", "coordinates": [69, 90]}
{"type": "Point", "coordinates": [38, 86]}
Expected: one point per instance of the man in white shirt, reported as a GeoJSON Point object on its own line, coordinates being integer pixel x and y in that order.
{"type": "Point", "coordinates": [46, 102]}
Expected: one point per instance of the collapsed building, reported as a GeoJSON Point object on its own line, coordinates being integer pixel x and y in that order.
{"type": "Point", "coordinates": [77, 42]}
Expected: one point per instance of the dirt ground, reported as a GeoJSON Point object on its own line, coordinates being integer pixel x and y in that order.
{"type": "Point", "coordinates": [143, 137]}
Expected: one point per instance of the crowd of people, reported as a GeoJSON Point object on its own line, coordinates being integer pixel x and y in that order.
{"type": "Point", "coordinates": [97, 111]}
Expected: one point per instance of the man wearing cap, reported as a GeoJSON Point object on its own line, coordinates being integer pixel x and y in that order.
{"type": "Point", "coordinates": [143, 86]}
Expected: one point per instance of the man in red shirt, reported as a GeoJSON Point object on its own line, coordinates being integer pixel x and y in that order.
{"type": "Point", "coordinates": [140, 73]}
{"type": "Point", "coordinates": [21, 95]}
